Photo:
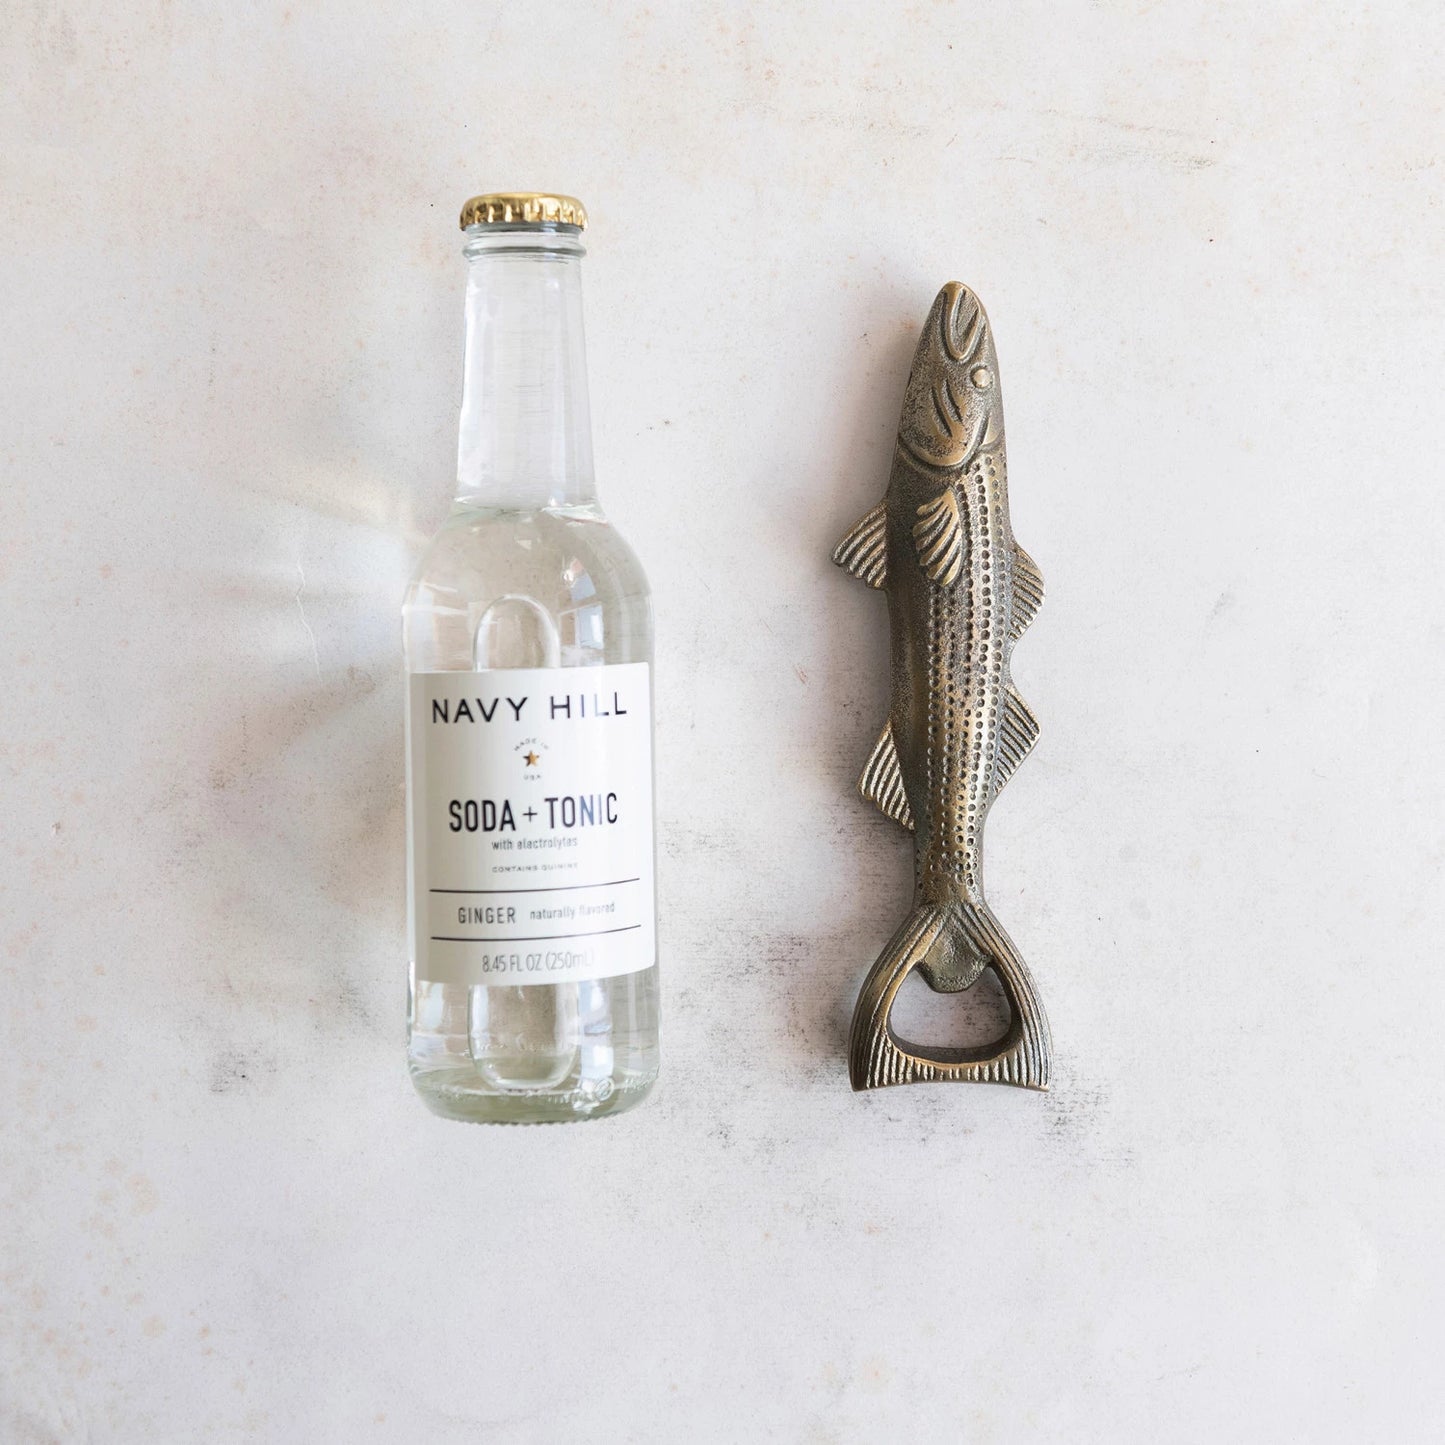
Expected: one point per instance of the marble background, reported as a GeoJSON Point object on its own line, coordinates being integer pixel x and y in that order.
{"type": "Point", "coordinates": [1210, 239]}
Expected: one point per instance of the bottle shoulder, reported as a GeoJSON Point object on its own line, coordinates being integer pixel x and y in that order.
{"type": "Point", "coordinates": [563, 573]}
{"type": "Point", "coordinates": [478, 543]}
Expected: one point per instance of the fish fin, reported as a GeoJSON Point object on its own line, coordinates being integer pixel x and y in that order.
{"type": "Point", "coordinates": [864, 551]}
{"type": "Point", "coordinates": [931, 939]}
{"type": "Point", "coordinates": [881, 781]}
{"type": "Point", "coordinates": [1028, 591]}
{"type": "Point", "coordinates": [1018, 732]}
{"type": "Point", "coordinates": [939, 537]}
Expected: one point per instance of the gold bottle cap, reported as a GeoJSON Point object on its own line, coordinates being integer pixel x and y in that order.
{"type": "Point", "coordinates": [524, 208]}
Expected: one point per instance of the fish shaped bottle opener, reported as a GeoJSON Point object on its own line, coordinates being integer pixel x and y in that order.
{"type": "Point", "coordinates": [961, 592]}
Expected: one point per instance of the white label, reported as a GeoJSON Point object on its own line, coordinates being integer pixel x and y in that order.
{"type": "Point", "coordinates": [529, 797]}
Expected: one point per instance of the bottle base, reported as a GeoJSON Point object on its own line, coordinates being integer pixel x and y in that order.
{"type": "Point", "coordinates": [453, 1094]}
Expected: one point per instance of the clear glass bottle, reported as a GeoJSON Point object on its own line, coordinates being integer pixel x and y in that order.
{"type": "Point", "coordinates": [529, 846]}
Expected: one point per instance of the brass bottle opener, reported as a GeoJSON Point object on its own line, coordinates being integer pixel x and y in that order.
{"type": "Point", "coordinates": [960, 593]}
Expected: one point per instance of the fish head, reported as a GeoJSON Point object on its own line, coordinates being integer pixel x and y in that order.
{"type": "Point", "coordinates": [952, 409]}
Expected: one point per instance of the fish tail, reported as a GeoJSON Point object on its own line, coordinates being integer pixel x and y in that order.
{"type": "Point", "coordinates": [877, 1056]}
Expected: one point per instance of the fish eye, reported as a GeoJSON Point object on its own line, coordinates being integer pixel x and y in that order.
{"type": "Point", "coordinates": [981, 377]}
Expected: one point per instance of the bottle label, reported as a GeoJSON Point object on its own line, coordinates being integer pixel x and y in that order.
{"type": "Point", "coordinates": [530, 824]}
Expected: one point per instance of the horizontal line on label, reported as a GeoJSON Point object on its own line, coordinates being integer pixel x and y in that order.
{"type": "Point", "coordinates": [534, 937]}
{"type": "Point", "coordinates": [560, 888]}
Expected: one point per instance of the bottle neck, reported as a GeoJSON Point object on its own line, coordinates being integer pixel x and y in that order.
{"type": "Point", "coordinates": [526, 428]}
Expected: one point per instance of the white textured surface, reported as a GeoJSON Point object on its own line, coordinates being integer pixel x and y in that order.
{"type": "Point", "coordinates": [1209, 237]}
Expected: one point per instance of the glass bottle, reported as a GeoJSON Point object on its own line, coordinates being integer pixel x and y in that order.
{"type": "Point", "coordinates": [528, 638]}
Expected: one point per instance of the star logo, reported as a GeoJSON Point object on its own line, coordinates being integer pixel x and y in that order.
{"type": "Point", "coordinates": [531, 760]}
